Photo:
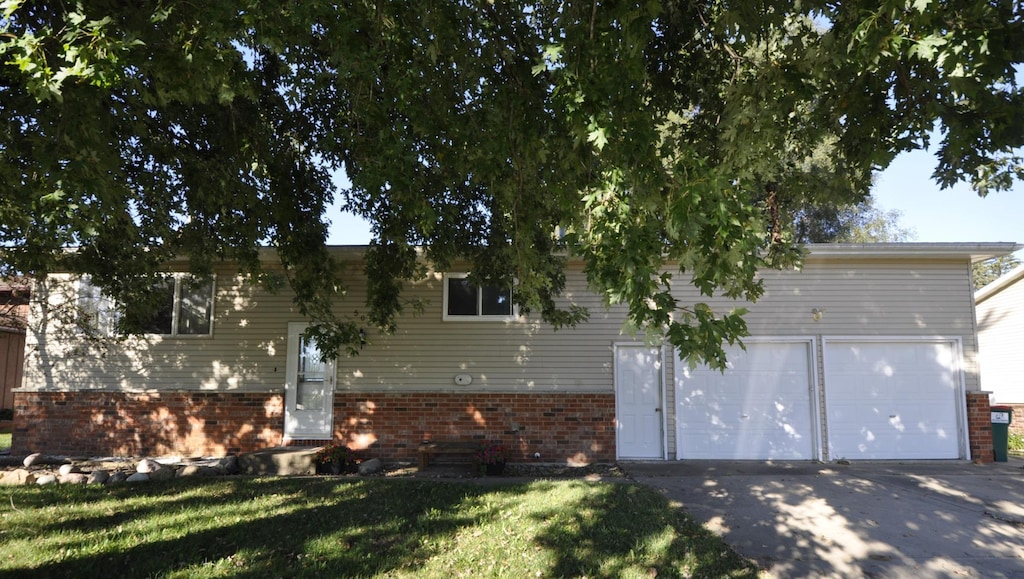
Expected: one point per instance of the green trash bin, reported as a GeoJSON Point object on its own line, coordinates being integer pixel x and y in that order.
{"type": "Point", "coordinates": [1001, 418]}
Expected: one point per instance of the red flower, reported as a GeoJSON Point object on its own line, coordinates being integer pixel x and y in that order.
{"type": "Point", "coordinates": [490, 453]}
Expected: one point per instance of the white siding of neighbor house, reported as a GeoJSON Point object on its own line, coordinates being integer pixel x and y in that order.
{"type": "Point", "coordinates": [1001, 340]}
{"type": "Point", "coordinates": [870, 297]}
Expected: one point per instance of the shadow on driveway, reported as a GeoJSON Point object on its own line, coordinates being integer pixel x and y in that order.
{"type": "Point", "coordinates": [866, 519]}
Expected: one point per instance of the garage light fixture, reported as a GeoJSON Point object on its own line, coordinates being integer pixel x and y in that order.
{"type": "Point", "coordinates": [817, 314]}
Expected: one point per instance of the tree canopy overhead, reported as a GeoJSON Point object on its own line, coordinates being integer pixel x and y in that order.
{"type": "Point", "coordinates": [139, 132]}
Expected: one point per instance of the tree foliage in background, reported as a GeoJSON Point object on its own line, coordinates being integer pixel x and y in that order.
{"type": "Point", "coordinates": [990, 270]}
{"type": "Point", "coordinates": [138, 132]}
{"type": "Point", "coordinates": [848, 223]}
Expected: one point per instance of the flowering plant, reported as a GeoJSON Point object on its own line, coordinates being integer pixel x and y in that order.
{"type": "Point", "coordinates": [333, 452]}
{"type": "Point", "coordinates": [490, 453]}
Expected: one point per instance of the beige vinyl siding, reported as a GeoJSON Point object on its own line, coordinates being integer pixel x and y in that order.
{"type": "Point", "coordinates": [1001, 342]}
{"type": "Point", "coordinates": [894, 298]}
{"type": "Point", "coordinates": [245, 352]}
{"type": "Point", "coordinates": [247, 349]}
{"type": "Point", "coordinates": [426, 353]}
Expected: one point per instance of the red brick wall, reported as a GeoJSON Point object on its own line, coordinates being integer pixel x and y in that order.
{"type": "Point", "coordinates": [979, 427]}
{"type": "Point", "coordinates": [139, 424]}
{"type": "Point", "coordinates": [561, 427]}
{"type": "Point", "coordinates": [1017, 421]}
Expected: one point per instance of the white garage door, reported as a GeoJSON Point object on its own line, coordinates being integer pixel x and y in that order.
{"type": "Point", "coordinates": [760, 408]}
{"type": "Point", "coordinates": [892, 400]}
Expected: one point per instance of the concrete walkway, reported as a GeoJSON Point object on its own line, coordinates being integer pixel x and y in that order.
{"type": "Point", "coordinates": [877, 519]}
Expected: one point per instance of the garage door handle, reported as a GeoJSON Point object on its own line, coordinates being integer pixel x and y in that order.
{"type": "Point", "coordinates": [657, 409]}
{"type": "Point", "coordinates": [744, 416]}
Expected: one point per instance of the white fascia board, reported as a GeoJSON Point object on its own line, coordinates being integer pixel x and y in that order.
{"type": "Point", "coordinates": [955, 250]}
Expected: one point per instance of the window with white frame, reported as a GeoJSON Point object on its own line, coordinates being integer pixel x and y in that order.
{"type": "Point", "coordinates": [465, 301]}
{"type": "Point", "coordinates": [183, 306]}
{"type": "Point", "coordinates": [96, 311]}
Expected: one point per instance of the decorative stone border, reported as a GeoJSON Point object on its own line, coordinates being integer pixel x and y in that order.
{"type": "Point", "coordinates": [39, 469]}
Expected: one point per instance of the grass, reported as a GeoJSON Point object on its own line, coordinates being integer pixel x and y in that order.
{"type": "Point", "coordinates": [5, 440]}
{"type": "Point", "coordinates": [274, 527]}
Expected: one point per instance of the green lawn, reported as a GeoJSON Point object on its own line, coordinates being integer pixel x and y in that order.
{"type": "Point", "coordinates": [5, 440]}
{"type": "Point", "coordinates": [276, 527]}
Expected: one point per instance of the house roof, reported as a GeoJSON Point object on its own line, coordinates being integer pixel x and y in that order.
{"type": "Point", "coordinates": [1002, 282]}
{"type": "Point", "coordinates": [975, 251]}
{"type": "Point", "coordinates": [925, 250]}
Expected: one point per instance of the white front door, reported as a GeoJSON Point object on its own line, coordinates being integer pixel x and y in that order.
{"type": "Point", "coordinates": [760, 408]}
{"type": "Point", "coordinates": [309, 389]}
{"type": "Point", "coordinates": [638, 401]}
{"type": "Point", "coordinates": [893, 399]}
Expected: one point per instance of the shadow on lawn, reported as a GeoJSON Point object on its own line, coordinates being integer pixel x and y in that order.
{"type": "Point", "coordinates": [315, 527]}
{"type": "Point", "coordinates": [599, 539]}
{"type": "Point", "coordinates": [364, 535]}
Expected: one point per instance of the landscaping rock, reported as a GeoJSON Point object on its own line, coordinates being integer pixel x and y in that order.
{"type": "Point", "coordinates": [372, 466]}
{"type": "Point", "coordinates": [148, 465]}
{"type": "Point", "coordinates": [138, 477]}
{"type": "Point", "coordinates": [162, 473]}
{"type": "Point", "coordinates": [18, 477]}
{"type": "Point", "coordinates": [98, 477]}
{"type": "Point", "coordinates": [117, 478]}
{"type": "Point", "coordinates": [229, 464]}
{"type": "Point", "coordinates": [74, 478]}
{"type": "Point", "coordinates": [200, 470]}
{"type": "Point", "coordinates": [68, 469]}
{"type": "Point", "coordinates": [46, 479]}
{"type": "Point", "coordinates": [33, 459]}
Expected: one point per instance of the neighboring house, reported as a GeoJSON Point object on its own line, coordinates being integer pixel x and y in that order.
{"type": "Point", "coordinates": [999, 307]}
{"type": "Point", "coordinates": [13, 314]}
{"type": "Point", "coordinates": [867, 352]}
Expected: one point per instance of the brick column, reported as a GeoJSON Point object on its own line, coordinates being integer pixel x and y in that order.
{"type": "Point", "coordinates": [979, 427]}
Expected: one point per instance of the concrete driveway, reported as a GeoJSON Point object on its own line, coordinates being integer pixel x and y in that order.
{"type": "Point", "coordinates": [877, 519]}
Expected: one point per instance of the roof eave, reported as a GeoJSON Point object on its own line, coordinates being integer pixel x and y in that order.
{"type": "Point", "coordinates": [950, 250]}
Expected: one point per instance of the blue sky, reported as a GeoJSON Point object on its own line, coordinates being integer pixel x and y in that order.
{"type": "Point", "coordinates": [955, 214]}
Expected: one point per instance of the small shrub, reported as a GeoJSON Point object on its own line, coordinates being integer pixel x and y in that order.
{"type": "Point", "coordinates": [1015, 442]}
{"type": "Point", "coordinates": [333, 452]}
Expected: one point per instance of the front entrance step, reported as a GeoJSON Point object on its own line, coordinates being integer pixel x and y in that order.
{"type": "Point", "coordinates": [280, 461]}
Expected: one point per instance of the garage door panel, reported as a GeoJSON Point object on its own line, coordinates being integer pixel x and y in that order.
{"type": "Point", "coordinates": [758, 409]}
{"type": "Point", "coordinates": [892, 400]}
